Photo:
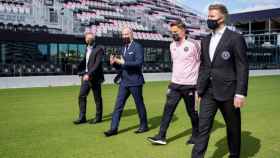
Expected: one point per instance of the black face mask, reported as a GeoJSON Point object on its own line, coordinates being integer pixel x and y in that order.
{"type": "Point", "coordinates": [126, 40]}
{"type": "Point", "coordinates": [90, 42]}
{"type": "Point", "coordinates": [176, 37]}
{"type": "Point", "coordinates": [212, 24]}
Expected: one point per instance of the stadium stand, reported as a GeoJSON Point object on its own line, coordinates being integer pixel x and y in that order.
{"type": "Point", "coordinates": [45, 37]}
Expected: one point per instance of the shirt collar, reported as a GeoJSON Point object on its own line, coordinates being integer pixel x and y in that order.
{"type": "Point", "coordinates": [128, 45]}
{"type": "Point", "coordinates": [183, 42]}
{"type": "Point", "coordinates": [220, 32]}
{"type": "Point", "coordinates": [91, 46]}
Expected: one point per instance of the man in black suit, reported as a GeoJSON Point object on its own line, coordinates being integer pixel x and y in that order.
{"type": "Point", "coordinates": [222, 82]}
{"type": "Point", "coordinates": [129, 66]}
{"type": "Point", "coordinates": [91, 70]}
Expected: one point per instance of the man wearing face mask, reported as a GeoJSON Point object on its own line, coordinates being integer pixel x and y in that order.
{"type": "Point", "coordinates": [222, 82]}
{"type": "Point", "coordinates": [129, 66]}
{"type": "Point", "coordinates": [91, 70]}
{"type": "Point", "coordinates": [185, 54]}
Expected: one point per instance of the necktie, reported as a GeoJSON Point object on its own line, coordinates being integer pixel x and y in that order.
{"type": "Point", "coordinates": [125, 49]}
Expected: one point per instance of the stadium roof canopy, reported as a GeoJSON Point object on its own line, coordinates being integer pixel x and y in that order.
{"type": "Point", "coordinates": [261, 15]}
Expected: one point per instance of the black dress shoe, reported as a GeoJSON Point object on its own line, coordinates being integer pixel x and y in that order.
{"type": "Point", "coordinates": [157, 140]}
{"type": "Point", "coordinates": [141, 130]}
{"type": "Point", "coordinates": [79, 121]}
{"type": "Point", "coordinates": [95, 121]}
{"type": "Point", "coordinates": [110, 133]}
{"type": "Point", "coordinates": [191, 141]}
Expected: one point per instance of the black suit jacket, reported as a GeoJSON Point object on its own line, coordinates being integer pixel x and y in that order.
{"type": "Point", "coordinates": [95, 65]}
{"type": "Point", "coordinates": [228, 72]}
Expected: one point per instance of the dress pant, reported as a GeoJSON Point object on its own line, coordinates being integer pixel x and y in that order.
{"type": "Point", "coordinates": [84, 91]}
{"type": "Point", "coordinates": [208, 108]}
{"type": "Point", "coordinates": [123, 94]}
{"type": "Point", "coordinates": [172, 99]}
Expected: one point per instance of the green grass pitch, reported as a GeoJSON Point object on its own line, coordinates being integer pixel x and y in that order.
{"type": "Point", "coordinates": [37, 123]}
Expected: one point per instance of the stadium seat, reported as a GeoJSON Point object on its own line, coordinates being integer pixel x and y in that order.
{"type": "Point", "coordinates": [10, 27]}
{"type": "Point", "coordinates": [109, 20]}
{"type": "Point", "coordinates": [28, 28]}
{"type": "Point", "coordinates": [2, 26]}
{"type": "Point", "coordinates": [20, 27]}
{"type": "Point", "coordinates": [6, 70]}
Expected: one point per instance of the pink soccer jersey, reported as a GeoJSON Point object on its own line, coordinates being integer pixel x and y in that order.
{"type": "Point", "coordinates": [186, 61]}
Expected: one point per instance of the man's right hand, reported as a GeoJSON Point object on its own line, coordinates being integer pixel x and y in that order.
{"type": "Point", "coordinates": [85, 77]}
{"type": "Point", "coordinates": [197, 97]}
{"type": "Point", "coordinates": [112, 59]}
{"type": "Point", "coordinates": [197, 102]}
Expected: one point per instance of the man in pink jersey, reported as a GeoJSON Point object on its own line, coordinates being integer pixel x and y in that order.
{"type": "Point", "coordinates": [185, 54]}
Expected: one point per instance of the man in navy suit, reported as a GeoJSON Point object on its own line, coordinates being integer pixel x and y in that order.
{"type": "Point", "coordinates": [129, 65]}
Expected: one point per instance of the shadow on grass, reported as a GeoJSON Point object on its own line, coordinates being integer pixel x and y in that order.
{"type": "Point", "coordinates": [126, 113]}
{"type": "Point", "coordinates": [250, 146]}
{"type": "Point", "coordinates": [154, 122]}
{"type": "Point", "coordinates": [216, 126]}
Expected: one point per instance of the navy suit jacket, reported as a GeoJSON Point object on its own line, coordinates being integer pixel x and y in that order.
{"type": "Point", "coordinates": [131, 71]}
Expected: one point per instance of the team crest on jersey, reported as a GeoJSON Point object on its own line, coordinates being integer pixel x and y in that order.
{"type": "Point", "coordinates": [186, 49]}
{"type": "Point", "coordinates": [225, 55]}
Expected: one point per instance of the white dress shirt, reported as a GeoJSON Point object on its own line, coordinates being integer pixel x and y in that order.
{"type": "Point", "coordinates": [215, 39]}
{"type": "Point", "coordinates": [89, 50]}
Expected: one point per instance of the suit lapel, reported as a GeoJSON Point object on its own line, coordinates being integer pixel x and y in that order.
{"type": "Point", "coordinates": [122, 51]}
{"type": "Point", "coordinates": [221, 44]}
{"type": "Point", "coordinates": [130, 47]}
{"type": "Point", "coordinates": [207, 45]}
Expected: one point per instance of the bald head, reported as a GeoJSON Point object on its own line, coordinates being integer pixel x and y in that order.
{"type": "Point", "coordinates": [127, 33]}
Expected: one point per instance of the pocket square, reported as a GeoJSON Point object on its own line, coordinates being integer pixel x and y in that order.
{"type": "Point", "coordinates": [130, 53]}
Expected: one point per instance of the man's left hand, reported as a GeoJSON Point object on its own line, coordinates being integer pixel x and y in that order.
{"type": "Point", "coordinates": [239, 102]}
{"type": "Point", "coordinates": [119, 61]}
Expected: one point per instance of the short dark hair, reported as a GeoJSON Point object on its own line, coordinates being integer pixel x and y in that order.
{"type": "Point", "coordinates": [220, 7]}
{"type": "Point", "coordinates": [179, 23]}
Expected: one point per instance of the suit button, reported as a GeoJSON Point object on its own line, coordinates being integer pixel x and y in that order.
{"type": "Point", "coordinates": [211, 78]}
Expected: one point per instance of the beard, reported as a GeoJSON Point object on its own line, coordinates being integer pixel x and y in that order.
{"type": "Point", "coordinates": [89, 42]}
